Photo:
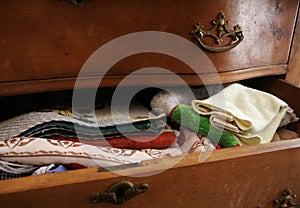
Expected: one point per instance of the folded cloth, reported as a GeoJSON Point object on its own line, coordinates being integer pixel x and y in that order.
{"type": "Point", "coordinates": [288, 118]}
{"type": "Point", "coordinates": [194, 143]}
{"type": "Point", "coordinates": [52, 168]}
{"type": "Point", "coordinates": [43, 169]}
{"type": "Point", "coordinates": [48, 123]}
{"type": "Point", "coordinates": [161, 141]}
{"type": "Point", "coordinates": [187, 117]}
{"type": "Point", "coordinates": [39, 151]}
{"type": "Point", "coordinates": [252, 115]}
{"type": "Point", "coordinates": [5, 175]}
{"type": "Point", "coordinates": [15, 168]}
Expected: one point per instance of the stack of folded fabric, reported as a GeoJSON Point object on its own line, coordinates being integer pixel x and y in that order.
{"type": "Point", "coordinates": [58, 140]}
{"type": "Point", "coordinates": [52, 140]}
{"type": "Point", "coordinates": [64, 123]}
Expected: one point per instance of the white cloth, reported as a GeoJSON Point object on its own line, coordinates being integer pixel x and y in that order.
{"type": "Point", "coordinates": [250, 114]}
{"type": "Point", "coordinates": [15, 168]}
{"type": "Point", "coordinates": [43, 169]}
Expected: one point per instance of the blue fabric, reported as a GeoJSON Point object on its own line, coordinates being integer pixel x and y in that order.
{"type": "Point", "coordinates": [59, 168]}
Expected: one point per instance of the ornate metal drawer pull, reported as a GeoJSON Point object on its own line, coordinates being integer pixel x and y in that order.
{"type": "Point", "coordinates": [119, 192]}
{"type": "Point", "coordinates": [76, 2]}
{"type": "Point", "coordinates": [286, 200]}
{"type": "Point", "coordinates": [219, 32]}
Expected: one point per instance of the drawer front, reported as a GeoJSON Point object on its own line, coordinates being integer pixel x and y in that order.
{"type": "Point", "coordinates": [52, 39]}
{"type": "Point", "coordinates": [253, 177]}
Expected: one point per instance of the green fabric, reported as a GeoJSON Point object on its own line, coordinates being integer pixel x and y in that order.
{"type": "Point", "coordinates": [64, 128]}
{"type": "Point", "coordinates": [187, 117]}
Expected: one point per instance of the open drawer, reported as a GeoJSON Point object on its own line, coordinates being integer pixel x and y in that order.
{"type": "Point", "coordinates": [247, 176]}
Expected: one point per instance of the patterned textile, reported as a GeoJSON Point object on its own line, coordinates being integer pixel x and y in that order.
{"type": "Point", "coordinates": [194, 143]}
{"type": "Point", "coordinates": [12, 170]}
{"type": "Point", "coordinates": [5, 175]}
{"type": "Point", "coordinates": [161, 141]}
{"type": "Point", "coordinates": [37, 151]}
{"type": "Point", "coordinates": [47, 124]}
{"type": "Point", "coordinates": [15, 168]}
{"type": "Point", "coordinates": [27, 170]}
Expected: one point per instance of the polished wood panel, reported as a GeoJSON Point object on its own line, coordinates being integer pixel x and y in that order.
{"type": "Point", "coordinates": [293, 74]}
{"type": "Point", "coordinates": [151, 80]}
{"type": "Point", "coordinates": [53, 39]}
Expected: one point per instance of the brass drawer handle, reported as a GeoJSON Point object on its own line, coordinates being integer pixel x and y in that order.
{"type": "Point", "coordinates": [119, 192]}
{"type": "Point", "coordinates": [76, 2]}
{"type": "Point", "coordinates": [286, 200]}
{"type": "Point", "coordinates": [219, 32]}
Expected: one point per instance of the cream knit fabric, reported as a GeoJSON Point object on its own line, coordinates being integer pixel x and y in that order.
{"type": "Point", "coordinates": [250, 114]}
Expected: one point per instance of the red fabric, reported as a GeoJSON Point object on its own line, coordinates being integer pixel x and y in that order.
{"type": "Point", "coordinates": [172, 110]}
{"type": "Point", "coordinates": [164, 140]}
{"type": "Point", "coordinates": [74, 166]}
{"type": "Point", "coordinates": [219, 146]}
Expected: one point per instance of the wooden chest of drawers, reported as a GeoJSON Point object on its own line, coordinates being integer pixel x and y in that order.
{"type": "Point", "coordinates": [45, 44]}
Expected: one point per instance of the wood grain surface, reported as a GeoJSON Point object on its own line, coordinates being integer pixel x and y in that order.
{"type": "Point", "coordinates": [49, 39]}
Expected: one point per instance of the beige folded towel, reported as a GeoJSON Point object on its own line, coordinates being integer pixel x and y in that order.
{"type": "Point", "coordinates": [252, 115]}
